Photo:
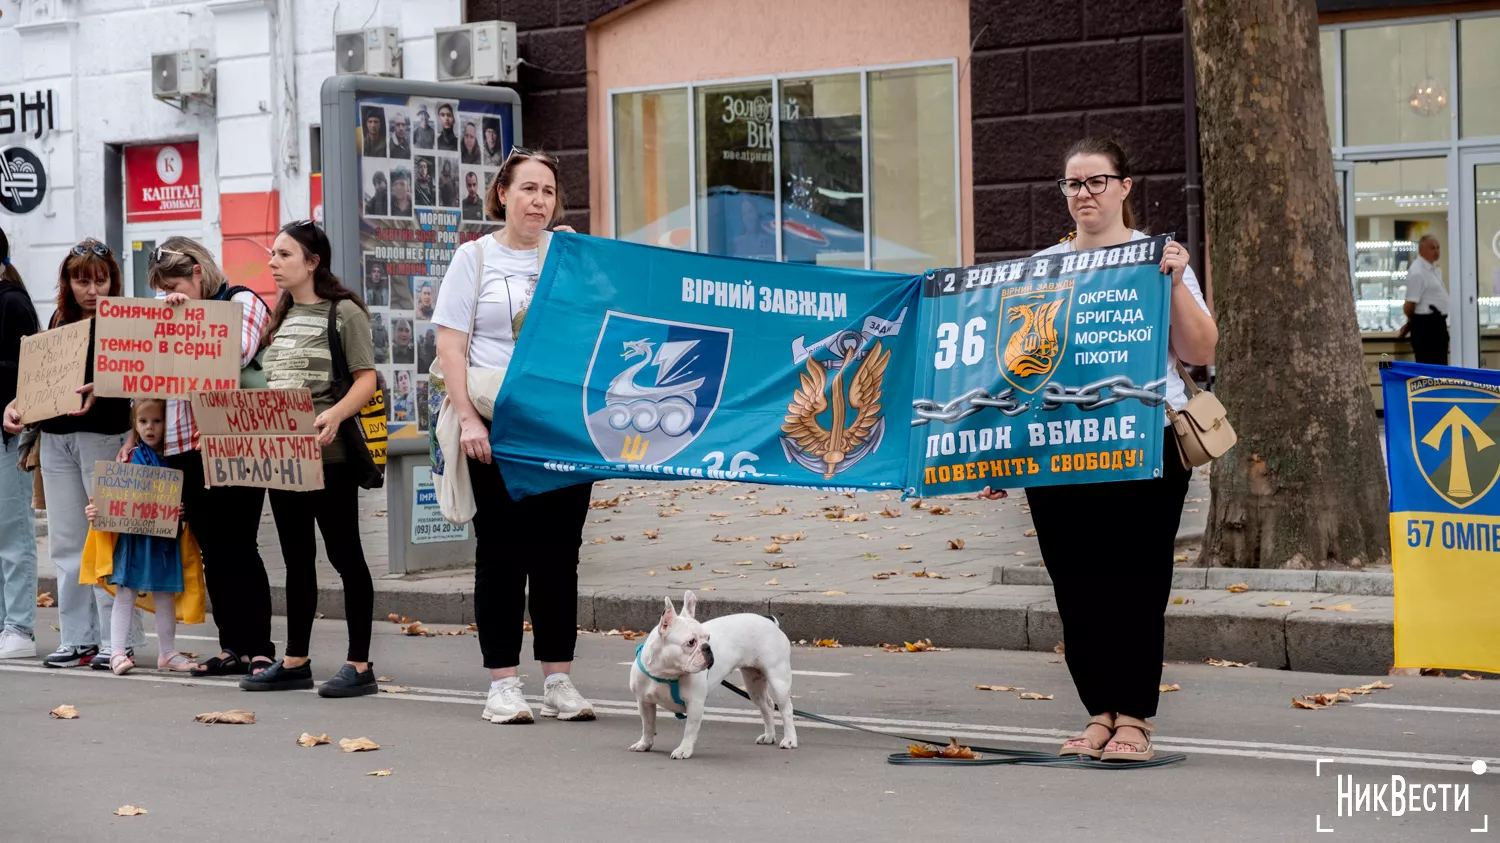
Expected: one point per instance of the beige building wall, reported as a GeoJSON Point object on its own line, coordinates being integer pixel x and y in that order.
{"type": "Point", "coordinates": [670, 42]}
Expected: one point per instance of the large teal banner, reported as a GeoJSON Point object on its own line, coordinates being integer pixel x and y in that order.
{"type": "Point", "coordinates": [649, 362]}
{"type": "Point", "coordinates": [640, 361]}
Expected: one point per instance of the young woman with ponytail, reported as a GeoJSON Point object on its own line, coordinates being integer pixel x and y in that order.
{"type": "Point", "coordinates": [303, 353]}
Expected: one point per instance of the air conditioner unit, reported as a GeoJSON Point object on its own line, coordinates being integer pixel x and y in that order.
{"type": "Point", "coordinates": [368, 52]}
{"type": "Point", "coordinates": [182, 75]}
{"type": "Point", "coordinates": [477, 53]}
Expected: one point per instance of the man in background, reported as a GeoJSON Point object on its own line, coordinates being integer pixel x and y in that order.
{"type": "Point", "coordinates": [1426, 305]}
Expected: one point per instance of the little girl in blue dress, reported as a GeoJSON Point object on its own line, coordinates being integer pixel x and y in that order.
{"type": "Point", "coordinates": [146, 563]}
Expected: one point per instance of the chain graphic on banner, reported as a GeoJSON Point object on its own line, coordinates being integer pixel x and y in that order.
{"type": "Point", "coordinates": [1087, 397]}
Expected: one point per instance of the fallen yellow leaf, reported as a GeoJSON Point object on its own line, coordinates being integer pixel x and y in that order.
{"type": "Point", "coordinates": [781, 563]}
{"type": "Point", "coordinates": [309, 739]}
{"type": "Point", "coordinates": [1223, 663]}
{"type": "Point", "coordinates": [44, 600]}
{"type": "Point", "coordinates": [718, 515]}
{"type": "Point", "coordinates": [903, 547]}
{"type": "Point", "coordinates": [858, 516]}
{"type": "Point", "coordinates": [1277, 603]}
{"type": "Point", "coordinates": [688, 566]}
{"type": "Point", "coordinates": [887, 512]}
{"type": "Point", "coordinates": [924, 573]}
{"type": "Point", "coordinates": [924, 646]}
{"type": "Point", "coordinates": [773, 548]}
{"type": "Point", "coordinates": [1311, 706]}
{"type": "Point", "coordinates": [1030, 533]}
{"type": "Point", "coordinates": [827, 642]}
{"type": "Point", "coordinates": [617, 538]}
{"type": "Point", "coordinates": [600, 540]}
{"type": "Point", "coordinates": [1342, 607]}
{"type": "Point", "coordinates": [650, 573]}
{"type": "Point", "coordinates": [922, 751]}
{"type": "Point", "coordinates": [954, 750]}
{"type": "Point", "coordinates": [716, 571]}
{"type": "Point", "coordinates": [772, 581]}
{"type": "Point", "coordinates": [955, 544]}
{"type": "Point", "coordinates": [358, 745]}
{"type": "Point", "coordinates": [235, 715]}
{"type": "Point", "coordinates": [779, 510]}
{"type": "Point", "coordinates": [1377, 685]}
{"type": "Point", "coordinates": [64, 712]}
{"type": "Point", "coordinates": [1469, 676]}
{"type": "Point", "coordinates": [710, 588]}
{"type": "Point", "coordinates": [1165, 689]}
{"type": "Point", "coordinates": [997, 688]}
{"type": "Point", "coordinates": [1059, 649]}
{"type": "Point", "coordinates": [917, 504]}
{"type": "Point", "coordinates": [746, 562]}
{"type": "Point", "coordinates": [833, 593]}
{"type": "Point", "coordinates": [1033, 696]}
{"type": "Point", "coordinates": [416, 628]}
{"type": "Point", "coordinates": [885, 575]}
{"type": "Point", "coordinates": [1237, 588]}
{"type": "Point", "coordinates": [791, 537]}
{"type": "Point", "coordinates": [1179, 600]}
{"type": "Point", "coordinates": [378, 773]}
{"type": "Point", "coordinates": [723, 540]}
{"type": "Point", "coordinates": [130, 810]}
{"type": "Point", "coordinates": [393, 689]}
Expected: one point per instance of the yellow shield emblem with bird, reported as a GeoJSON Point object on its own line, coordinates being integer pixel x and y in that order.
{"type": "Point", "coordinates": [828, 430]}
{"type": "Point", "coordinates": [1033, 332]}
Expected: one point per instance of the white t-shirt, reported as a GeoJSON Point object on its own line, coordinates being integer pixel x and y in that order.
{"type": "Point", "coordinates": [1424, 285]}
{"type": "Point", "coordinates": [510, 278]}
{"type": "Point", "coordinates": [1176, 391]}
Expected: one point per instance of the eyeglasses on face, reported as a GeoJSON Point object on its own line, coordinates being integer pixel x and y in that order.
{"type": "Point", "coordinates": [1095, 184]}
{"type": "Point", "coordinates": [91, 246]}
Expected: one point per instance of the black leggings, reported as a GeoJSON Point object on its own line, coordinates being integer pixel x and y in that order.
{"type": "Point", "coordinates": [335, 508]}
{"type": "Point", "coordinates": [226, 521]}
{"type": "Point", "coordinates": [1108, 547]}
{"type": "Point", "coordinates": [526, 546]}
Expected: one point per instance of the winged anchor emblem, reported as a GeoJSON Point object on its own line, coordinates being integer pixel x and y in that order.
{"type": "Point", "coordinates": [837, 447]}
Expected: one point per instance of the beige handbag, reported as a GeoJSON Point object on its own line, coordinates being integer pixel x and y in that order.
{"type": "Point", "coordinates": [1202, 427]}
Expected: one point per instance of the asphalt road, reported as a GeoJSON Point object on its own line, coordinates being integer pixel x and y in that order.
{"type": "Point", "coordinates": [1251, 771]}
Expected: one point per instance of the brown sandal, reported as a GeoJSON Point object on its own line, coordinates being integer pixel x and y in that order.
{"type": "Point", "coordinates": [1090, 750]}
{"type": "Point", "coordinates": [1133, 751]}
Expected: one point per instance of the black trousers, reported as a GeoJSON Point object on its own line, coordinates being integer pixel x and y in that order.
{"type": "Point", "coordinates": [1108, 547]}
{"type": "Point", "coordinates": [526, 549]}
{"type": "Point", "coordinates": [335, 510]}
{"type": "Point", "coordinates": [1429, 337]}
{"type": "Point", "coordinates": [226, 522]}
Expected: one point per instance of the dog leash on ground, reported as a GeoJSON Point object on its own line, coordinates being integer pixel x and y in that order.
{"type": "Point", "coordinates": [991, 755]}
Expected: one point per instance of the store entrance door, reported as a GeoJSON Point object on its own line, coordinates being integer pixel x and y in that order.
{"type": "Point", "coordinates": [1476, 260]}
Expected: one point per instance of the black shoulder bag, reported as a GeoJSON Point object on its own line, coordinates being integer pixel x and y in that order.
{"type": "Point", "coordinates": [357, 448]}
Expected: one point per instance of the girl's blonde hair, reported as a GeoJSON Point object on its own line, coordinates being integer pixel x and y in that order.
{"type": "Point", "coordinates": [140, 403]}
{"type": "Point", "coordinates": [176, 257]}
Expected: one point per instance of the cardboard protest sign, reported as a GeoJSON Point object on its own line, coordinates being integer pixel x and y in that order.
{"type": "Point", "coordinates": [144, 348]}
{"type": "Point", "coordinates": [259, 437]}
{"type": "Point", "coordinates": [144, 499]}
{"type": "Point", "coordinates": [52, 367]}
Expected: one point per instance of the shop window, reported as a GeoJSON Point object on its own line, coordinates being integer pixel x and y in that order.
{"type": "Point", "coordinates": [1396, 203]}
{"type": "Point", "coordinates": [853, 189]}
{"type": "Point", "coordinates": [651, 151]}
{"type": "Point", "coordinates": [1479, 76]}
{"type": "Point", "coordinates": [1396, 84]}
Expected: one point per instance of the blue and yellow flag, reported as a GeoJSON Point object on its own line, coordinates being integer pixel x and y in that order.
{"type": "Point", "coordinates": [1442, 428]}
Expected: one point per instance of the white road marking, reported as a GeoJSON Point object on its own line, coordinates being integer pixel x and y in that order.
{"type": "Point", "coordinates": [1439, 708]}
{"type": "Point", "coordinates": [627, 708]}
{"type": "Point", "coordinates": [213, 638]}
{"type": "Point", "coordinates": [794, 672]}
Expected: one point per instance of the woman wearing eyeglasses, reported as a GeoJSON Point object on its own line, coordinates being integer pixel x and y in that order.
{"type": "Point", "coordinates": [527, 550]}
{"type": "Point", "coordinates": [225, 519]}
{"type": "Point", "coordinates": [1113, 603]}
{"type": "Point", "coordinates": [70, 445]}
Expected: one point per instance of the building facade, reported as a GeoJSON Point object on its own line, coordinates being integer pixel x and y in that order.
{"type": "Point", "coordinates": [76, 95]}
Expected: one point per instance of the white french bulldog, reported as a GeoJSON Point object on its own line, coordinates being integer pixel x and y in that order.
{"type": "Point", "coordinates": [676, 665]}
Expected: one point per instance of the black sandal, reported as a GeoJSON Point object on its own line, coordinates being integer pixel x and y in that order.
{"type": "Point", "coordinates": [221, 666]}
{"type": "Point", "coordinates": [254, 665]}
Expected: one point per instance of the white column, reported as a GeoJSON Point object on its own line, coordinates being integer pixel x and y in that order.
{"type": "Point", "coordinates": [244, 99]}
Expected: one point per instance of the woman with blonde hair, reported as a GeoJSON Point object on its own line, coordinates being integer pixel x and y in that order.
{"type": "Point", "coordinates": [225, 519]}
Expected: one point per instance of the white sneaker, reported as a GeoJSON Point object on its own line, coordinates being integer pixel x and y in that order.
{"type": "Point", "coordinates": [506, 704]}
{"type": "Point", "coordinates": [14, 645]}
{"type": "Point", "coordinates": [562, 700]}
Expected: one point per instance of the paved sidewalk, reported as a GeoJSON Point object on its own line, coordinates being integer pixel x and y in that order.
{"type": "Point", "coordinates": [811, 558]}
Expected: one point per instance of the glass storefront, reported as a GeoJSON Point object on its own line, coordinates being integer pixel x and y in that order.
{"type": "Point", "coordinates": [851, 169]}
{"type": "Point", "coordinates": [1414, 115]}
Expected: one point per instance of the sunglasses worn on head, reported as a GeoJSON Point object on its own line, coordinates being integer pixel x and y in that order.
{"type": "Point", "coordinates": [97, 248]}
{"type": "Point", "coordinates": [161, 251]}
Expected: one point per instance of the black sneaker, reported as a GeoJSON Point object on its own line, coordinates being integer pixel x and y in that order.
{"type": "Point", "coordinates": [101, 661]}
{"type": "Point", "coordinates": [73, 657]}
{"type": "Point", "coordinates": [279, 677]}
{"type": "Point", "coordinates": [349, 682]}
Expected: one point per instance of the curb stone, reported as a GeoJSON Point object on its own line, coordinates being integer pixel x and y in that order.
{"type": "Point", "coordinates": [1216, 624]}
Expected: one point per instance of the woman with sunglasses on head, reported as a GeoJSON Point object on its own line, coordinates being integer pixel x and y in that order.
{"type": "Point", "coordinates": [70, 445]}
{"type": "Point", "coordinates": [319, 339]}
{"type": "Point", "coordinates": [1112, 605]}
{"type": "Point", "coordinates": [527, 550]}
{"type": "Point", "coordinates": [225, 519]}
{"type": "Point", "coordinates": [17, 522]}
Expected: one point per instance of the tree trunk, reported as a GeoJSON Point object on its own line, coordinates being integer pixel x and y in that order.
{"type": "Point", "coordinates": [1305, 487]}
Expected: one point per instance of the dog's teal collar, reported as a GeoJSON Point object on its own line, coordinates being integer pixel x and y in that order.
{"type": "Point", "coordinates": [670, 683]}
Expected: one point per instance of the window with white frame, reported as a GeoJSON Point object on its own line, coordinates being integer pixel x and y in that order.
{"type": "Point", "coordinates": [854, 168]}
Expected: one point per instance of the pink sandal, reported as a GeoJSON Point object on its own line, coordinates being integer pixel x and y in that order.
{"type": "Point", "coordinates": [121, 664]}
{"type": "Point", "coordinates": [176, 663]}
